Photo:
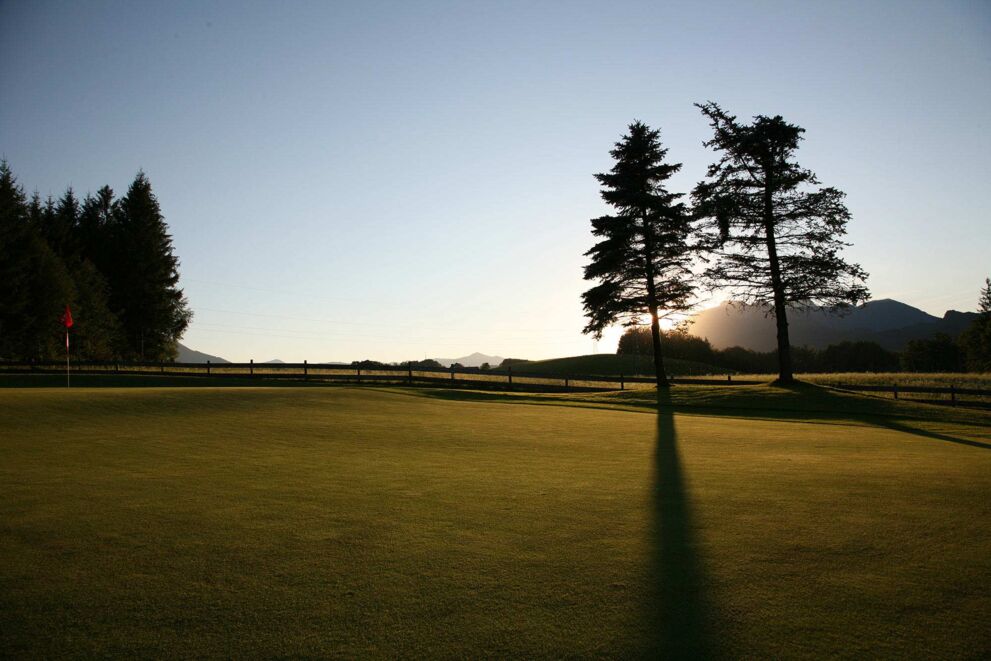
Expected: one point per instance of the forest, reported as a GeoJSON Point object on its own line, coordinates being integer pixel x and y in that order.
{"type": "Point", "coordinates": [109, 259]}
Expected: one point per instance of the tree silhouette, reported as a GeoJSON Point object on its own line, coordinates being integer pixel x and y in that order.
{"type": "Point", "coordinates": [144, 280]}
{"type": "Point", "coordinates": [642, 262]}
{"type": "Point", "coordinates": [975, 341]}
{"type": "Point", "coordinates": [773, 233]}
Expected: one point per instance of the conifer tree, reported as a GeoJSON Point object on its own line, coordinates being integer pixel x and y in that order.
{"type": "Point", "coordinates": [642, 261]}
{"type": "Point", "coordinates": [145, 276]}
{"type": "Point", "coordinates": [774, 233]}
{"type": "Point", "coordinates": [15, 303]}
{"type": "Point", "coordinates": [975, 341]}
{"type": "Point", "coordinates": [95, 229]}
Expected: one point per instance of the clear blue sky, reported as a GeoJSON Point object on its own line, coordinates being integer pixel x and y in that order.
{"type": "Point", "coordinates": [410, 179]}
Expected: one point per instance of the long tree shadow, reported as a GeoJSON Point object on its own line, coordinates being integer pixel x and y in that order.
{"type": "Point", "coordinates": [925, 433]}
{"type": "Point", "coordinates": [678, 618]}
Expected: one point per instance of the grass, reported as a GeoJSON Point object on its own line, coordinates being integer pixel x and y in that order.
{"type": "Point", "coordinates": [938, 379]}
{"type": "Point", "coordinates": [364, 522]}
{"type": "Point", "coordinates": [978, 381]}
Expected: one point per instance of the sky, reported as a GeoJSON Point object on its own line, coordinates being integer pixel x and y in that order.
{"type": "Point", "coordinates": [397, 180]}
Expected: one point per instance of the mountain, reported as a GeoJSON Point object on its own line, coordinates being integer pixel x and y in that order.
{"type": "Point", "coordinates": [890, 323]}
{"type": "Point", "coordinates": [187, 355]}
{"type": "Point", "coordinates": [474, 360]}
{"type": "Point", "coordinates": [275, 361]}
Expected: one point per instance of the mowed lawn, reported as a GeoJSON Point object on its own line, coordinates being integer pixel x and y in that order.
{"type": "Point", "coordinates": [350, 522]}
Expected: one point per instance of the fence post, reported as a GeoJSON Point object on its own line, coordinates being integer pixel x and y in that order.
{"type": "Point", "coordinates": [359, 374]}
{"type": "Point", "coordinates": [729, 378]}
{"type": "Point", "coordinates": [306, 371]}
{"type": "Point", "coordinates": [452, 372]}
{"type": "Point", "coordinates": [566, 383]}
{"type": "Point", "coordinates": [116, 368]}
{"type": "Point", "coordinates": [208, 368]}
{"type": "Point", "coordinates": [509, 373]}
{"type": "Point", "coordinates": [251, 367]}
{"type": "Point", "coordinates": [162, 365]}
{"type": "Point", "coordinates": [894, 389]}
{"type": "Point", "coordinates": [409, 374]}
{"type": "Point", "coordinates": [953, 395]}
{"type": "Point", "coordinates": [622, 384]}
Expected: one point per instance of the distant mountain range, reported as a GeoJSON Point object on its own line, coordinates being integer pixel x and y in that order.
{"type": "Point", "coordinates": [890, 323]}
{"type": "Point", "coordinates": [474, 360]}
{"type": "Point", "coordinates": [187, 355]}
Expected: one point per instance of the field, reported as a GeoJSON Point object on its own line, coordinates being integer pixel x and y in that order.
{"type": "Point", "coordinates": [742, 521]}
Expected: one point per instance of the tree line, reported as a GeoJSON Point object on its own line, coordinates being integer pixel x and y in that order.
{"type": "Point", "coordinates": [971, 351]}
{"type": "Point", "coordinates": [110, 259]}
{"type": "Point", "coordinates": [759, 227]}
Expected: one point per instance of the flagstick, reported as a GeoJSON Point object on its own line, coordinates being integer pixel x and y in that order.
{"type": "Point", "coordinates": [66, 357]}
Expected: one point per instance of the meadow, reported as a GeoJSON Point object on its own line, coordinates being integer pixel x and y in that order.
{"type": "Point", "coordinates": [747, 521]}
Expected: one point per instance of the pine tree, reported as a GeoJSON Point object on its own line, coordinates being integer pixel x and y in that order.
{"type": "Point", "coordinates": [95, 228]}
{"type": "Point", "coordinates": [975, 341]}
{"type": "Point", "coordinates": [60, 226]}
{"type": "Point", "coordinates": [145, 275]}
{"type": "Point", "coordinates": [642, 262]}
{"type": "Point", "coordinates": [15, 303]}
{"type": "Point", "coordinates": [775, 235]}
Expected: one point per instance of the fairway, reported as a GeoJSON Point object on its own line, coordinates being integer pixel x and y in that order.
{"type": "Point", "coordinates": [356, 523]}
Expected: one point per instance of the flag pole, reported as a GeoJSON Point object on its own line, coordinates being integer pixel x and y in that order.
{"type": "Point", "coordinates": [67, 322]}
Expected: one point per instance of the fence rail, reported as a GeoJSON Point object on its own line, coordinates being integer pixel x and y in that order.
{"type": "Point", "coordinates": [334, 372]}
{"type": "Point", "coordinates": [412, 375]}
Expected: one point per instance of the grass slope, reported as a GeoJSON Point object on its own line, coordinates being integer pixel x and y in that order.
{"type": "Point", "coordinates": [349, 522]}
{"type": "Point", "coordinates": [610, 364]}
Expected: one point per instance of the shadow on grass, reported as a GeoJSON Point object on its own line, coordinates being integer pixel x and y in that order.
{"type": "Point", "coordinates": [889, 421]}
{"type": "Point", "coordinates": [894, 425]}
{"type": "Point", "coordinates": [677, 617]}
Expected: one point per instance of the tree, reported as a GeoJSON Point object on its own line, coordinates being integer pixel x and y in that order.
{"type": "Point", "coordinates": [859, 356]}
{"type": "Point", "coordinates": [975, 341]}
{"type": "Point", "coordinates": [97, 217]}
{"type": "Point", "coordinates": [774, 235]}
{"type": "Point", "coordinates": [938, 353]}
{"type": "Point", "coordinates": [144, 277]}
{"type": "Point", "coordinates": [35, 285]}
{"type": "Point", "coordinates": [15, 264]}
{"type": "Point", "coordinates": [642, 262]}
{"type": "Point", "coordinates": [638, 340]}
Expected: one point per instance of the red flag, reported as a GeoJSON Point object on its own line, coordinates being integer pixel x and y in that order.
{"type": "Point", "coordinates": [67, 317]}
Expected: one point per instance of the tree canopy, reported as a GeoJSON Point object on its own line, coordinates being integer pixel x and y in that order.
{"type": "Point", "coordinates": [112, 261]}
{"type": "Point", "coordinates": [774, 235]}
{"type": "Point", "coordinates": [642, 261]}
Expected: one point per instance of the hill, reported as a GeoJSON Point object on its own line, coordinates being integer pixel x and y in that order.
{"type": "Point", "coordinates": [610, 364]}
{"type": "Point", "coordinates": [187, 355]}
{"type": "Point", "coordinates": [890, 323]}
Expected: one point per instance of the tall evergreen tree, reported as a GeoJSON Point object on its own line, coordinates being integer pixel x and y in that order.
{"type": "Point", "coordinates": [95, 230]}
{"type": "Point", "coordinates": [15, 303]}
{"type": "Point", "coordinates": [775, 235]}
{"type": "Point", "coordinates": [145, 276]}
{"type": "Point", "coordinates": [975, 341]}
{"type": "Point", "coordinates": [642, 262]}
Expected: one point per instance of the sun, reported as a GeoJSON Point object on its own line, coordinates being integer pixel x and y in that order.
{"type": "Point", "coordinates": [666, 323]}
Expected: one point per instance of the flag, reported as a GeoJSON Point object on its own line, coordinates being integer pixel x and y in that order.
{"type": "Point", "coordinates": [67, 317]}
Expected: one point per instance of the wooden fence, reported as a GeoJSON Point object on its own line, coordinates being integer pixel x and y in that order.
{"type": "Point", "coordinates": [409, 375]}
{"type": "Point", "coordinates": [458, 377]}
{"type": "Point", "coordinates": [954, 393]}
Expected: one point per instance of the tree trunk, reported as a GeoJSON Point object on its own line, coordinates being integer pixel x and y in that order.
{"type": "Point", "coordinates": [655, 326]}
{"type": "Point", "coordinates": [655, 334]}
{"type": "Point", "coordinates": [785, 374]}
